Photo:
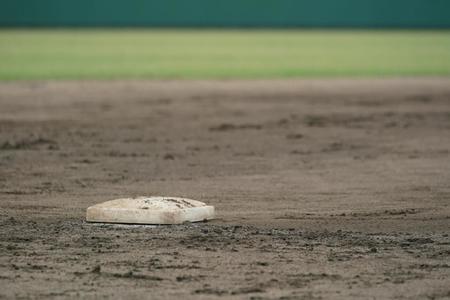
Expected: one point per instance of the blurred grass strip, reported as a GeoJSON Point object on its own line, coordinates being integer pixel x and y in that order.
{"type": "Point", "coordinates": [168, 54]}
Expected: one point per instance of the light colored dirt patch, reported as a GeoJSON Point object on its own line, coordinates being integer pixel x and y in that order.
{"type": "Point", "coordinates": [332, 189]}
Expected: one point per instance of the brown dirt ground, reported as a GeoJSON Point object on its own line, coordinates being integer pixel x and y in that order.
{"type": "Point", "coordinates": [325, 189]}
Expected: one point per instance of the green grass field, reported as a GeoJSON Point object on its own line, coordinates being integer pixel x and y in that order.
{"type": "Point", "coordinates": [113, 54]}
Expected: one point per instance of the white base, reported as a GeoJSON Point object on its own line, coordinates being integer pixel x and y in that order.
{"type": "Point", "coordinates": [150, 210]}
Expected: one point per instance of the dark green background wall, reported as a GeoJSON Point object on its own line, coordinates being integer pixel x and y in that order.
{"type": "Point", "coordinates": [227, 13]}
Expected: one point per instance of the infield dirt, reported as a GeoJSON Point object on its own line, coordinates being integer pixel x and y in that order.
{"type": "Point", "coordinates": [324, 189]}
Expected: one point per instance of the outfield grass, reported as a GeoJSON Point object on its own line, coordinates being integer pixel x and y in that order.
{"type": "Point", "coordinates": [110, 54]}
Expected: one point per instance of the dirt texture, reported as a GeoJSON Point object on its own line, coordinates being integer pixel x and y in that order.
{"type": "Point", "coordinates": [324, 189]}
